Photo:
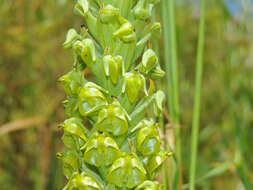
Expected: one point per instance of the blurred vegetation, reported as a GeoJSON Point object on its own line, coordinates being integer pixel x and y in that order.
{"type": "Point", "coordinates": [32, 58]}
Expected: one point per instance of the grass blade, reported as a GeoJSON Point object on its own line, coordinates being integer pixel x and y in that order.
{"type": "Point", "coordinates": [212, 173]}
{"type": "Point", "coordinates": [195, 122]}
{"type": "Point", "coordinates": [169, 35]}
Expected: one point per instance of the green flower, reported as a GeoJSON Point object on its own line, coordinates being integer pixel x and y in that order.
{"type": "Point", "coordinates": [127, 171]}
{"type": "Point", "coordinates": [82, 182]}
{"type": "Point", "coordinates": [74, 132]}
{"type": "Point", "coordinates": [125, 32]}
{"type": "Point", "coordinates": [108, 14]}
{"type": "Point", "coordinates": [148, 140]}
{"type": "Point", "coordinates": [134, 84]}
{"type": "Point", "coordinates": [159, 102]}
{"type": "Point", "coordinates": [70, 162]}
{"type": "Point", "coordinates": [113, 67]}
{"type": "Point", "coordinates": [101, 150]}
{"type": "Point", "coordinates": [86, 50]}
{"type": "Point", "coordinates": [149, 65]}
{"type": "Point", "coordinates": [154, 163]}
{"type": "Point", "coordinates": [72, 82]}
{"type": "Point", "coordinates": [90, 98]}
{"type": "Point", "coordinates": [149, 185]}
{"type": "Point", "coordinates": [149, 61]}
{"type": "Point", "coordinates": [112, 119]}
{"type": "Point", "coordinates": [71, 37]}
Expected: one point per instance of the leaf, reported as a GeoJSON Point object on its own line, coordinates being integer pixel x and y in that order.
{"type": "Point", "coordinates": [212, 173]}
{"type": "Point", "coordinates": [138, 113]}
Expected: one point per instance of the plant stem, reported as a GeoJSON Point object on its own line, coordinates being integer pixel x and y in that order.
{"type": "Point", "coordinates": [169, 35]}
{"type": "Point", "coordinates": [174, 75]}
{"type": "Point", "coordinates": [196, 113]}
{"type": "Point", "coordinates": [166, 53]}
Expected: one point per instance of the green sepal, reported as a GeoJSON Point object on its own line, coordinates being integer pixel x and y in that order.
{"type": "Point", "coordinates": [70, 141]}
{"type": "Point", "coordinates": [72, 82]}
{"type": "Point", "coordinates": [149, 185]}
{"type": "Point", "coordinates": [142, 10]}
{"type": "Point", "coordinates": [134, 83]}
{"type": "Point", "coordinates": [82, 182]}
{"type": "Point", "coordinates": [112, 119]}
{"type": "Point", "coordinates": [127, 171]}
{"type": "Point", "coordinates": [101, 150]}
{"type": "Point", "coordinates": [89, 98]}
{"type": "Point", "coordinates": [154, 163]}
{"type": "Point", "coordinates": [75, 127]}
{"type": "Point", "coordinates": [70, 162]}
{"type": "Point", "coordinates": [71, 106]}
{"type": "Point", "coordinates": [82, 7]}
{"type": "Point", "coordinates": [125, 32]}
{"type": "Point", "coordinates": [159, 102]}
{"type": "Point", "coordinates": [71, 37]}
{"type": "Point", "coordinates": [156, 73]}
{"type": "Point", "coordinates": [149, 62]}
{"type": "Point", "coordinates": [148, 140]}
{"type": "Point", "coordinates": [86, 50]}
{"type": "Point", "coordinates": [108, 14]}
{"type": "Point", "coordinates": [113, 67]}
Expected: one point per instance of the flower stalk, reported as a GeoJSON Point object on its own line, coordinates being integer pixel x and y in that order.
{"type": "Point", "coordinates": [111, 133]}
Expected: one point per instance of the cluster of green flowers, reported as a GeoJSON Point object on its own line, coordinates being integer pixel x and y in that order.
{"type": "Point", "coordinates": [120, 147]}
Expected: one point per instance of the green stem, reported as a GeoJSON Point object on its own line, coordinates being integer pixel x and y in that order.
{"type": "Point", "coordinates": [175, 118]}
{"type": "Point", "coordinates": [166, 52]}
{"type": "Point", "coordinates": [195, 122]}
{"type": "Point", "coordinates": [169, 34]}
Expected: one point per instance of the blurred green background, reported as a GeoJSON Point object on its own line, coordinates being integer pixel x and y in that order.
{"type": "Point", "coordinates": [32, 59]}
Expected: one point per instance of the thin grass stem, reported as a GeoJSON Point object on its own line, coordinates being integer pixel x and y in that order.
{"type": "Point", "coordinates": [170, 50]}
{"type": "Point", "coordinates": [196, 113]}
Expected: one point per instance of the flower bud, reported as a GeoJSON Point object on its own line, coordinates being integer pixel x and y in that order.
{"type": "Point", "coordinates": [141, 13]}
{"type": "Point", "coordinates": [154, 163]}
{"type": "Point", "coordinates": [148, 141]}
{"type": "Point", "coordinates": [101, 150]}
{"type": "Point", "coordinates": [156, 27]}
{"type": "Point", "coordinates": [149, 62]}
{"type": "Point", "coordinates": [126, 171]}
{"type": "Point", "coordinates": [149, 185]}
{"type": "Point", "coordinates": [72, 82]}
{"type": "Point", "coordinates": [71, 37]}
{"type": "Point", "coordinates": [70, 163]}
{"type": "Point", "coordinates": [73, 127]}
{"type": "Point", "coordinates": [86, 50]}
{"type": "Point", "coordinates": [81, 7]}
{"type": "Point", "coordinates": [134, 83]}
{"type": "Point", "coordinates": [142, 10]}
{"type": "Point", "coordinates": [156, 73]}
{"type": "Point", "coordinates": [160, 100]}
{"type": "Point", "coordinates": [89, 98]}
{"type": "Point", "coordinates": [113, 66]}
{"type": "Point", "coordinates": [82, 181]}
{"type": "Point", "coordinates": [108, 13]}
{"type": "Point", "coordinates": [125, 32]}
{"type": "Point", "coordinates": [112, 119]}
{"type": "Point", "coordinates": [71, 106]}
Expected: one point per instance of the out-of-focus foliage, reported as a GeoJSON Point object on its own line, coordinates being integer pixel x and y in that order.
{"type": "Point", "coordinates": [31, 59]}
{"type": "Point", "coordinates": [227, 95]}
